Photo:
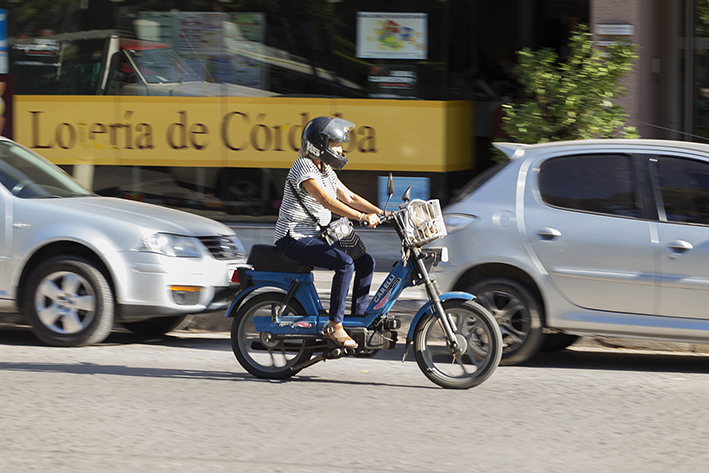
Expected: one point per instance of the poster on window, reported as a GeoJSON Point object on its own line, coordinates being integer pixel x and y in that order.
{"type": "Point", "coordinates": [392, 82]}
{"type": "Point", "coordinates": [382, 35]}
{"type": "Point", "coordinates": [200, 33]}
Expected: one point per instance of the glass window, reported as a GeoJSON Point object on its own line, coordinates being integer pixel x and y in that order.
{"type": "Point", "coordinates": [602, 183]}
{"type": "Point", "coordinates": [684, 187]}
{"type": "Point", "coordinates": [477, 182]}
{"type": "Point", "coordinates": [28, 175]}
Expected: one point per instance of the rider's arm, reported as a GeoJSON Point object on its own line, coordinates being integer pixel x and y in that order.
{"type": "Point", "coordinates": [371, 211]}
{"type": "Point", "coordinates": [355, 200]}
{"type": "Point", "coordinates": [334, 205]}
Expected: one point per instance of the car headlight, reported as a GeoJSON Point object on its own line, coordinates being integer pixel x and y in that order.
{"type": "Point", "coordinates": [168, 245]}
{"type": "Point", "coordinates": [457, 222]}
{"type": "Point", "coordinates": [240, 250]}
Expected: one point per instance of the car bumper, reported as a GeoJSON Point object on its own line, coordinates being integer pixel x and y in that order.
{"type": "Point", "coordinates": [156, 285]}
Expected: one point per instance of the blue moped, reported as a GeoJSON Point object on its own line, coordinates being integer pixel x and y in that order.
{"type": "Point", "coordinates": [279, 319]}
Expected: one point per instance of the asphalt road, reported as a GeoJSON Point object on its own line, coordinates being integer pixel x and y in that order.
{"type": "Point", "coordinates": [183, 404]}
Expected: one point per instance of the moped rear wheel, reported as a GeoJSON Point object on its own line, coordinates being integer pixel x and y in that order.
{"type": "Point", "coordinates": [260, 355]}
{"type": "Point", "coordinates": [478, 336]}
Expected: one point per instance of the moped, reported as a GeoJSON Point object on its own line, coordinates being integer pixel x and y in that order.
{"type": "Point", "coordinates": [279, 318]}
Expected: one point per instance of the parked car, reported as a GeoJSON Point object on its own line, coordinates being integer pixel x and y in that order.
{"type": "Point", "coordinates": [74, 263]}
{"type": "Point", "coordinates": [575, 238]}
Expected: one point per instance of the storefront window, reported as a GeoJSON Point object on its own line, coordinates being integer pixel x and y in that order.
{"type": "Point", "coordinates": [403, 50]}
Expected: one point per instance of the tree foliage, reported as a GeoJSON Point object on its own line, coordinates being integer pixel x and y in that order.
{"type": "Point", "coordinates": [571, 100]}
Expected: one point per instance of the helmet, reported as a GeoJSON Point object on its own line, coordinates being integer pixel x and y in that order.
{"type": "Point", "coordinates": [319, 133]}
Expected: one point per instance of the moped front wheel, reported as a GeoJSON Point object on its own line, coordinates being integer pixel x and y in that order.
{"type": "Point", "coordinates": [479, 346]}
{"type": "Point", "coordinates": [256, 351]}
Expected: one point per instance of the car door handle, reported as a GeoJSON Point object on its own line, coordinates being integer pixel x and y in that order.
{"type": "Point", "coordinates": [679, 246]}
{"type": "Point", "coordinates": [548, 233]}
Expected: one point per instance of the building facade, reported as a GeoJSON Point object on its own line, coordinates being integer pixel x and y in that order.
{"type": "Point", "coordinates": [199, 104]}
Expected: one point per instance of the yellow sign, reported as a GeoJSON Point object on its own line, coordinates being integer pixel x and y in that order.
{"type": "Point", "coordinates": [391, 135]}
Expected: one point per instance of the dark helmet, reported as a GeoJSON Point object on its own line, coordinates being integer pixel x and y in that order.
{"type": "Point", "coordinates": [319, 133]}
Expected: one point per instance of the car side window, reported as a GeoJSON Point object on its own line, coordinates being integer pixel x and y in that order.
{"type": "Point", "coordinates": [602, 183]}
{"type": "Point", "coordinates": [684, 187]}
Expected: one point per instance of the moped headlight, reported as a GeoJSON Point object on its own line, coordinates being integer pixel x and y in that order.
{"type": "Point", "coordinates": [168, 245]}
{"type": "Point", "coordinates": [457, 222]}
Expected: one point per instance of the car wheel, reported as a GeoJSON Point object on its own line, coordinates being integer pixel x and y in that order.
{"type": "Point", "coordinates": [69, 303]}
{"type": "Point", "coordinates": [518, 314]}
{"type": "Point", "coordinates": [557, 341]}
{"type": "Point", "coordinates": [156, 326]}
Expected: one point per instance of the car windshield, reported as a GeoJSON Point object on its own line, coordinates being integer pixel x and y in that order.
{"type": "Point", "coordinates": [159, 66]}
{"type": "Point", "coordinates": [478, 181]}
{"type": "Point", "coordinates": [28, 175]}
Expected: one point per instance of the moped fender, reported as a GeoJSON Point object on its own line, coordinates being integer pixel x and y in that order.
{"type": "Point", "coordinates": [238, 299]}
{"type": "Point", "coordinates": [261, 279]}
{"type": "Point", "coordinates": [464, 296]}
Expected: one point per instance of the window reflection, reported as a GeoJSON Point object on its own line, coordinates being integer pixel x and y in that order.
{"type": "Point", "coordinates": [684, 186]}
{"type": "Point", "coordinates": [593, 183]}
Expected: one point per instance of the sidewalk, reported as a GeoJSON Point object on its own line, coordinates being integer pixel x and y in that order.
{"type": "Point", "coordinates": [383, 244]}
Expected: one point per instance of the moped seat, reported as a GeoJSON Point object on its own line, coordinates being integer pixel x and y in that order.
{"type": "Point", "coordinates": [269, 258]}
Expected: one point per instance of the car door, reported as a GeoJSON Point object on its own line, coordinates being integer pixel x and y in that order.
{"type": "Point", "coordinates": [683, 233]}
{"type": "Point", "coordinates": [584, 219]}
{"type": "Point", "coordinates": [5, 242]}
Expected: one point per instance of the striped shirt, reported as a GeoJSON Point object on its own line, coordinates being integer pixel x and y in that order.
{"type": "Point", "coordinates": [292, 218]}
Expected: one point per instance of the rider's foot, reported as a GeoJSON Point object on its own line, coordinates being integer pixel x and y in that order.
{"type": "Point", "coordinates": [336, 333]}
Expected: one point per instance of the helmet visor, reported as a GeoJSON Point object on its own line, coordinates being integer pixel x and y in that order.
{"type": "Point", "coordinates": [339, 130]}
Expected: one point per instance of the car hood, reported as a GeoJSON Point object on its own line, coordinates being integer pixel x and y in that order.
{"type": "Point", "coordinates": [149, 216]}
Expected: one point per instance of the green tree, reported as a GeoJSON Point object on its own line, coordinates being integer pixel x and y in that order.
{"type": "Point", "coordinates": [571, 100]}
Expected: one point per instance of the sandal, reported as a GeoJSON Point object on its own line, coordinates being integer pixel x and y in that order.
{"type": "Point", "coordinates": [335, 333]}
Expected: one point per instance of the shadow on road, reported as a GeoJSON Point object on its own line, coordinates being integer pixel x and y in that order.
{"type": "Point", "coordinates": [619, 360]}
{"type": "Point", "coordinates": [20, 335]}
{"type": "Point", "coordinates": [574, 358]}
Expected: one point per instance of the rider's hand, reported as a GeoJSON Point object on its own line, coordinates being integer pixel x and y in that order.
{"type": "Point", "coordinates": [371, 220]}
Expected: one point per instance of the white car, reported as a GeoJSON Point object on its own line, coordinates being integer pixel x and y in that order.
{"type": "Point", "coordinates": [596, 237]}
{"type": "Point", "coordinates": [73, 263]}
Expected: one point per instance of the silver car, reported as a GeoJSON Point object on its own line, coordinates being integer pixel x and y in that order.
{"type": "Point", "coordinates": [73, 263]}
{"type": "Point", "coordinates": [597, 237]}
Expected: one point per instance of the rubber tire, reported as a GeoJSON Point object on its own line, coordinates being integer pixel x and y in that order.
{"type": "Point", "coordinates": [533, 337]}
{"type": "Point", "coordinates": [156, 326]}
{"type": "Point", "coordinates": [97, 329]}
{"type": "Point", "coordinates": [441, 379]}
{"type": "Point", "coordinates": [554, 342]}
{"type": "Point", "coordinates": [293, 307]}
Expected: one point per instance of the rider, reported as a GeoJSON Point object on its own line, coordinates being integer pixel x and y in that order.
{"type": "Point", "coordinates": [298, 237]}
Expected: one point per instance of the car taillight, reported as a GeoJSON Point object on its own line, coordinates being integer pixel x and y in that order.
{"type": "Point", "coordinates": [235, 276]}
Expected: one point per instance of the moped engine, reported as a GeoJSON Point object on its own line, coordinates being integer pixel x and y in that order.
{"type": "Point", "coordinates": [368, 339]}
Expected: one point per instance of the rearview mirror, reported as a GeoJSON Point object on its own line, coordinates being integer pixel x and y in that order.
{"type": "Point", "coordinates": [390, 192]}
{"type": "Point", "coordinates": [407, 195]}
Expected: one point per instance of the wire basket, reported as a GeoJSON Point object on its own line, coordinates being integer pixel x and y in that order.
{"type": "Point", "coordinates": [422, 221]}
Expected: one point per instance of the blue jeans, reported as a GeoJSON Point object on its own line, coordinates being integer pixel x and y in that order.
{"type": "Point", "coordinates": [316, 252]}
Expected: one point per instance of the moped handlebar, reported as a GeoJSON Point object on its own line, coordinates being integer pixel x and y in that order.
{"type": "Point", "coordinates": [383, 217]}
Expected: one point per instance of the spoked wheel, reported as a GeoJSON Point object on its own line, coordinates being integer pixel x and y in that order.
{"type": "Point", "coordinates": [479, 341]}
{"type": "Point", "coordinates": [259, 354]}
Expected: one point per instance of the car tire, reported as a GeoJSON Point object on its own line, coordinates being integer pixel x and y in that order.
{"type": "Point", "coordinates": [517, 312]}
{"type": "Point", "coordinates": [155, 327]}
{"type": "Point", "coordinates": [69, 303]}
